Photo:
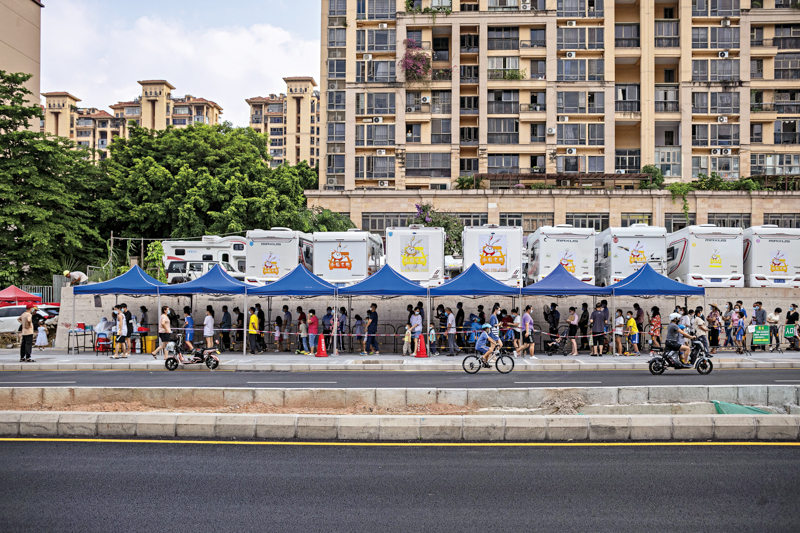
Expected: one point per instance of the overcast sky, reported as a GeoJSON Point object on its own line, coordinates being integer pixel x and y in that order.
{"type": "Point", "coordinates": [223, 51]}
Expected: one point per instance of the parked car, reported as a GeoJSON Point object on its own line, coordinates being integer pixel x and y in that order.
{"type": "Point", "coordinates": [182, 271]}
{"type": "Point", "coordinates": [10, 314]}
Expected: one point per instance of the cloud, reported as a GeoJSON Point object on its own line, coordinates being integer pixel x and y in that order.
{"type": "Point", "coordinates": [100, 60]}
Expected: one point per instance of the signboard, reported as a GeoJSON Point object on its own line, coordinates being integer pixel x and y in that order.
{"type": "Point", "coordinates": [789, 330]}
{"type": "Point", "coordinates": [716, 259]}
{"type": "Point", "coordinates": [414, 252]}
{"type": "Point", "coordinates": [493, 249]}
{"type": "Point", "coordinates": [777, 261]}
{"type": "Point", "coordinates": [271, 264]}
{"type": "Point", "coordinates": [760, 335]}
{"type": "Point", "coordinates": [567, 260]}
{"type": "Point", "coordinates": [338, 260]}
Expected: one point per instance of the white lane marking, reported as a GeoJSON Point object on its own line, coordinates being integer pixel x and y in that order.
{"type": "Point", "coordinates": [787, 381]}
{"type": "Point", "coordinates": [32, 382]}
{"type": "Point", "coordinates": [554, 382]}
{"type": "Point", "coordinates": [293, 382]}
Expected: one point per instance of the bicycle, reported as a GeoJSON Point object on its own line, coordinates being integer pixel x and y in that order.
{"type": "Point", "coordinates": [501, 357]}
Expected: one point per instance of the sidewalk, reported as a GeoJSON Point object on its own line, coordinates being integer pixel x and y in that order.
{"type": "Point", "coordinates": [55, 359]}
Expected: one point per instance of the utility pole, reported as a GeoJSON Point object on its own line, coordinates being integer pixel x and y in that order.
{"type": "Point", "coordinates": [111, 257]}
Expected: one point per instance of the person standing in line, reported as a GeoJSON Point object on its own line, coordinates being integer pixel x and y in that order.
{"type": "Point", "coordinates": [442, 316]}
{"type": "Point", "coordinates": [700, 328]}
{"type": "Point", "coordinates": [416, 327]}
{"type": "Point", "coordinates": [655, 328]}
{"type": "Point", "coordinates": [313, 331]}
{"type": "Point", "coordinates": [287, 327]}
{"type": "Point", "coordinates": [597, 322]}
{"type": "Point", "coordinates": [238, 333]}
{"type": "Point", "coordinates": [122, 335]}
{"type": "Point", "coordinates": [774, 321]}
{"type": "Point", "coordinates": [553, 320]}
{"type": "Point", "coordinates": [619, 327]}
{"type": "Point", "coordinates": [432, 340]}
{"type": "Point", "coordinates": [450, 325]}
{"type": "Point", "coordinates": [740, 305]}
{"type": "Point", "coordinates": [573, 330]}
{"type": "Point", "coordinates": [410, 309]}
{"type": "Point", "coordinates": [164, 331]}
{"type": "Point", "coordinates": [583, 325]}
{"type": "Point", "coordinates": [421, 311]}
{"type": "Point", "coordinates": [26, 346]}
{"type": "Point", "coordinates": [516, 329]}
{"type": "Point", "coordinates": [372, 331]}
{"type": "Point", "coordinates": [188, 328]}
{"type": "Point", "coordinates": [407, 341]}
{"type": "Point", "coordinates": [327, 327]}
{"type": "Point", "coordinates": [358, 331]}
{"type": "Point", "coordinates": [303, 338]}
{"type": "Point", "coordinates": [225, 326]}
{"type": "Point", "coordinates": [727, 319]}
{"type": "Point", "coordinates": [460, 324]}
{"type": "Point", "coordinates": [639, 317]}
{"type": "Point", "coordinates": [208, 328]}
{"type": "Point", "coordinates": [145, 321]}
{"type": "Point", "coordinates": [739, 334]}
{"type": "Point", "coordinates": [792, 318]}
{"type": "Point", "coordinates": [301, 317]}
{"type": "Point", "coordinates": [262, 320]}
{"type": "Point", "coordinates": [481, 315]}
{"type": "Point", "coordinates": [277, 333]}
{"type": "Point", "coordinates": [128, 329]}
{"type": "Point", "coordinates": [759, 319]}
{"type": "Point", "coordinates": [633, 334]}
{"type": "Point", "coordinates": [252, 331]}
{"type": "Point", "coordinates": [606, 315]}
{"type": "Point", "coordinates": [527, 333]}
{"type": "Point", "coordinates": [714, 321]}
{"type": "Point", "coordinates": [341, 328]}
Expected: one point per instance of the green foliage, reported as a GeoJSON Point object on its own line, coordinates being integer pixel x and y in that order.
{"type": "Point", "coordinates": [319, 219]}
{"type": "Point", "coordinates": [432, 11]}
{"type": "Point", "coordinates": [428, 216]}
{"type": "Point", "coordinates": [154, 261]}
{"type": "Point", "coordinates": [47, 189]}
{"type": "Point", "coordinates": [681, 189]}
{"type": "Point", "coordinates": [542, 186]}
{"type": "Point", "coordinates": [514, 74]}
{"type": "Point", "coordinates": [656, 180]}
{"type": "Point", "coordinates": [464, 183]}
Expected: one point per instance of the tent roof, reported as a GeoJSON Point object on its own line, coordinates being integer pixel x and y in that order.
{"type": "Point", "coordinates": [559, 282]}
{"type": "Point", "coordinates": [648, 282]}
{"type": "Point", "coordinates": [385, 282]}
{"type": "Point", "coordinates": [474, 282]}
{"type": "Point", "coordinates": [298, 282]}
{"type": "Point", "coordinates": [15, 294]}
{"type": "Point", "coordinates": [215, 281]}
{"type": "Point", "coordinates": [134, 281]}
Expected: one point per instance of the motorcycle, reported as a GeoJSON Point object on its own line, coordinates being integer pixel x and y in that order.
{"type": "Point", "coordinates": [177, 355]}
{"type": "Point", "coordinates": [699, 359]}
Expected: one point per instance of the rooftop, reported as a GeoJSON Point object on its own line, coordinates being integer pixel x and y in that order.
{"type": "Point", "coordinates": [62, 94]}
{"type": "Point", "coordinates": [301, 78]}
{"type": "Point", "coordinates": [160, 82]}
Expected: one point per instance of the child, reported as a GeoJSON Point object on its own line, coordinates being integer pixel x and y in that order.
{"type": "Point", "coordinates": [739, 342]}
{"type": "Point", "coordinates": [618, 323]}
{"type": "Point", "coordinates": [41, 337]}
{"type": "Point", "coordinates": [407, 341]}
{"type": "Point", "coordinates": [303, 337]}
{"type": "Point", "coordinates": [633, 334]}
{"type": "Point", "coordinates": [277, 334]}
{"type": "Point", "coordinates": [553, 346]}
{"type": "Point", "coordinates": [358, 330]}
{"type": "Point", "coordinates": [432, 341]}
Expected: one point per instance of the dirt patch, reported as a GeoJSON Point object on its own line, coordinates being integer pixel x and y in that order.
{"type": "Point", "coordinates": [563, 403]}
{"type": "Point", "coordinates": [260, 408]}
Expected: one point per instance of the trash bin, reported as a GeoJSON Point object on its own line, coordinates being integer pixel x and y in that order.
{"type": "Point", "coordinates": [150, 344]}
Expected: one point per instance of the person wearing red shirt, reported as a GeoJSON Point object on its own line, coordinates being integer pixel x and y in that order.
{"type": "Point", "coordinates": [313, 330]}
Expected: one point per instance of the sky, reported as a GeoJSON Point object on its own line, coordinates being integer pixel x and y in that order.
{"type": "Point", "coordinates": [223, 51]}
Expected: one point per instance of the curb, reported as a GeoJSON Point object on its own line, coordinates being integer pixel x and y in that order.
{"type": "Point", "coordinates": [466, 428]}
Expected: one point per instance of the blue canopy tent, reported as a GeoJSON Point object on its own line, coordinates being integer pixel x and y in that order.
{"type": "Point", "coordinates": [559, 282]}
{"type": "Point", "coordinates": [648, 282]}
{"type": "Point", "coordinates": [474, 282]}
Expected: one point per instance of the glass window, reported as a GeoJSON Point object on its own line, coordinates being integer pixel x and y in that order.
{"type": "Point", "coordinates": [629, 219]}
{"type": "Point", "coordinates": [627, 160]}
{"type": "Point", "coordinates": [473, 219]}
{"type": "Point", "coordinates": [699, 37]}
{"type": "Point", "coordinates": [725, 37]}
{"type": "Point", "coordinates": [598, 221]}
{"type": "Point", "coordinates": [378, 222]}
{"type": "Point", "coordinates": [596, 70]}
{"type": "Point", "coordinates": [724, 70]}
{"type": "Point", "coordinates": [787, 66]}
{"type": "Point", "coordinates": [783, 220]}
{"type": "Point", "coordinates": [337, 37]}
{"type": "Point", "coordinates": [596, 163]}
{"type": "Point", "coordinates": [597, 135]}
{"type": "Point", "coordinates": [571, 69]}
{"type": "Point", "coordinates": [571, 102]}
{"type": "Point", "coordinates": [381, 10]}
{"type": "Point", "coordinates": [675, 221]}
{"type": "Point", "coordinates": [503, 163]}
{"type": "Point", "coordinates": [725, 103]}
{"type": "Point", "coordinates": [336, 68]}
{"type": "Point", "coordinates": [530, 222]}
{"type": "Point", "coordinates": [729, 220]}
{"type": "Point", "coordinates": [468, 167]}
{"type": "Point", "coordinates": [699, 70]}
{"type": "Point", "coordinates": [700, 103]}
{"type": "Point", "coordinates": [571, 38]}
{"type": "Point", "coordinates": [336, 100]}
{"type": "Point", "coordinates": [571, 134]}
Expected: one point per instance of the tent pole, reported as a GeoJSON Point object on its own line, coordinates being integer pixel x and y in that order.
{"type": "Point", "coordinates": [269, 318]}
{"type": "Point", "coordinates": [73, 307]}
{"type": "Point", "coordinates": [335, 324]}
{"type": "Point", "coordinates": [430, 319]}
{"type": "Point", "coordinates": [612, 318]}
{"type": "Point", "coordinates": [245, 325]}
{"type": "Point", "coordinates": [350, 318]}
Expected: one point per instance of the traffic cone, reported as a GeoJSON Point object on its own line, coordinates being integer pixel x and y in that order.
{"type": "Point", "coordinates": [321, 351]}
{"type": "Point", "coordinates": [421, 352]}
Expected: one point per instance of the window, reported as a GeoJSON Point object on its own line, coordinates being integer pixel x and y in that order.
{"type": "Point", "coordinates": [378, 222]}
{"type": "Point", "coordinates": [571, 39]}
{"type": "Point", "coordinates": [627, 160]}
{"type": "Point", "coordinates": [596, 70]}
{"type": "Point", "coordinates": [470, 43]}
{"type": "Point", "coordinates": [503, 131]}
{"type": "Point", "coordinates": [724, 70]}
{"type": "Point", "coordinates": [699, 134]}
{"type": "Point", "coordinates": [538, 69]}
{"type": "Point", "coordinates": [786, 131]}
{"type": "Point", "coordinates": [503, 102]}
{"type": "Point", "coordinates": [538, 133]}
{"type": "Point", "coordinates": [571, 69]}
{"type": "Point", "coordinates": [729, 220]}
{"type": "Point", "coordinates": [571, 134]}
{"type": "Point", "coordinates": [774, 164]}
{"type": "Point", "coordinates": [782, 220]}
{"type": "Point", "coordinates": [699, 70]}
{"type": "Point", "coordinates": [375, 71]}
{"type": "Point", "coordinates": [381, 10]}
{"type": "Point", "coordinates": [787, 36]}
{"type": "Point", "coordinates": [757, 68]}
{"type": "Point", "coordinates": [596, 163]}
{"type": "Point", "coordinates": [529, 222]}
{"type": "Point", "coordinates": [571, 102]}
{"type": "Point", "coordinates": [468, 167]}
{"type": "Point", "coordinates": [675, 221]}
{"type": "Point", "coordinates": [468, 135]}
{"type": "Point", "coordinates": [84, 133]}
{"type": "Point", "coordinates": [503, 67]}
{"type": "Point", "coordinates": [596, 102]}
{"type": "Point", "coordinates": [725, 103]}
{"type": "Point", "coordinates": [441, 102]}
{"type": "Point", "coordinates": [503, 38]}
{"type": "Point", "coordinates": [700, 103]}
{"type": "Point", "coordinates": [667, 99]}
{"type": "Point", "coordinates": [376, 135]}
{"type": "Point", "coordinates": [440, 131]}
{"type": "Point", "coordinates": [336, 100]}
{"type": "Point", "coordinates": [570, 163]}
{"type": "Point", "coordinates": [724, 8]}
{"type": "Point", "coordinates": [503, 163]}
{"type": "Point", "coordinates": [413, 134]}
{"type": "Point", "coordinates": [132, 111]}
{"type": "Point", "coordinates": [597, 134]}
{"type": "Point", "coordinates": [538, 38]}
{"type": "Point", "coordinates": [470, 73]}
{"type": "Point", "coordinates": [699, 37]}
{"type": "Point", "coordinates": [473, 219]}
{"type": "Point", "coordinates": [375, 167]}
{"type": "Point", "coordinates": [179, 121]}
{"type": "Point", "coordinates": [598, 221]}
{"type": "Point", "coordinates": [380, 103]}
{"type": "Point", "coordinates": [503, 5]}
{"type": "Point", "coordinates": [626, 36]}
{"type": "Point", "coordinates": [337, 7]}
{"type": "Point", "coordinates": [335, 164]}
{"type": "Point", "coordinates": [669, 160]}
{"type": "Point", "coordinates": [336, 68]}
{"type": "Point", "coordinates": [724, 37]}
{"type": "Point", "coordinates": [756, 133]}
{"type": "Point", "coordinates": [787, 67]}
{"type": "Point", "coordinates": [276, 120]}
{"type": "Point", "coordinates": [667, 34]}
{"type": "Point", "coordinates": [336, 132]}
{"type": "Point", "coordinates": [571, 8]}
{"type": "Point", "coordinates": [441, 48]}
{"type": "Point", "coordinates": [337, 37]}
{"type": "Point", "coordinates": [416, 36]}
{"type": "Point", "coordinates": [380, 40]}
{"type": "Point", "coordinates": [756, 36]}
{"type": "Point", "coordinates": [669, 138]}
{"type": "Point", "coordinates": [724, 134]}
{"type": "Point", "coordinates": [627, 97]}
{"type": "Point", "coordinates": [435, 165]}
{"type": "Point", "coordinates": [469, 105]}
{"type": "Point", "coordinates": [727, 167]}
{"type": "Point", "coordinates": [629, 219]}
{"type": "Point", "coordinates": [699, 166]}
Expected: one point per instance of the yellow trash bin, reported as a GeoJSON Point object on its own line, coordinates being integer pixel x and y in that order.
{"type": "Point", "coordinates": [150, 343]}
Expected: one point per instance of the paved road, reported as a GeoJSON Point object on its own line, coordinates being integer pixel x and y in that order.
{"type": "Point", "coordinates": [370, 379]}
{"type": "Point", "coordinates": [215, 487]}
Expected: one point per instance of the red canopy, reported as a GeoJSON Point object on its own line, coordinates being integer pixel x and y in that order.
{"type": "Point", "coordinates": [15, 295]}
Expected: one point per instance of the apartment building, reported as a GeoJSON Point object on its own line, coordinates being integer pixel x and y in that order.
{"type": "Point", "coordinates": [20, 42]}
{"type": "Point", "coordinates": [577, 94]}
{"type": "Point", "coordinates": [155, 108]}
{"type": "Point", "coordinates": [291, 120]}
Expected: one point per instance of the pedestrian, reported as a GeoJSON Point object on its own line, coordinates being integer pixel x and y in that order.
{"type": "Point", "coordinates": [164, 331]}
{"type": "Point", "coordinates": [188, 328]}
{"type": "Point", "coordinates": [606, 315]}
{"type": "Point", "coordinates": [277, 333]}
{"type": "Point", "coordinates": [450, 325]}
{"type": "Point", "coordinates": [516, 330]}
{"type": "Point", "coordinates": [527, 333]}
{"type": "Point", "coordinates": [225, 326]}
{"type": "Point", "coordinates": [122, 334]}
{"type": "Point", "coordinates": [416, 326]}
{"type": "Point", "coordinates": [341, 327]}
{"type": "Point", "coordinates": [727, 319]}
{"type": "Point", "coordinates": [407, 341]}
{"type": "Point", "coordinates": [494, 322]}
{"type": "Point", "coordinates": [619, 323]}
{"type": "Point", "coordinates": [774, 321]}
{"type": "Point", "coordinates": [442, 316]}
{"type": "Point", "coordinates": [358, 331]}
{"type": "Point", "coordinates": [41, 337]}
{"type": "Point", "coordinates": [632, 332]}
{"type": "Point", "coordinates": [410, 309]}
{"type": "Point", "coordinates": [553, 319]}
{"type": "Point", "coordinates": [432, 340]}
{"type": "Point", "coordinates": [301, 317]}
{"type": "Point", "coordinates": [75, 278]}
{"type": "Point", "coordinates": [572, 319]}
{"type": "Point", "coordinates": [372, 331]}
{"type": "Point", "coordinates": [313, 331]}
{"type": "Point", "coordinates": [208, 328]}
{"type": "Point", "coordinates": [262, 321]}
{"type": "Point", "coordinates": [759, 319]}
{"type": "Point", "coordinates": [740, 305]}
{"type": "Point", "coordinates": [655, 327]}
{"type": "Point", "coordinates": [583, 325]}
{"type": "Point", "coordinates": [481, 315]}
{"type": "Point", "coordinates": [597, 321]}
{"type": "Point", "coordinates": [238, 333]}
{"type": "Point", "coordinates": [145, 320]}
{"type": "Point", "coordinates": [460, 324]}
{"type": "Point", "coordinates": [700, 327]}
{"type": "Point", "coordinates": [128, 329]}
{"type": "Point", "coordinates": [252, 331]}
{"type": "Point", "coordinates": [792, 318]}
{"type": "Point", "coordinates": [639, 317]}
{"type": "Point", "coordinates": [421, 311]}
{"type": "Point", "coordinates": [739, 334]}
{"type": "Point", "coordinates": [714, 321]}
{"type": "Point", "coordinates": [303, 338]}
{"type": "Point", "coordinates": [506, 320]}
{"type": "Point", "coordinates": [327, 326]}
{"type": "Point", "coordinates": [287, 327]}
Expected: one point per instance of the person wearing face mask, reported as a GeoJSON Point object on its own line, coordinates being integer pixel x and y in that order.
{"type": "Point", "coordinates": [792, 318]}
{"type": "Point", "coordinates": [774, 322]}
{"type": "Point", "coordinates": [416, 327]}
{"type": "Point", "coordinates": [727, 318]}
{"type": "Point", "coordinates": [164, 330]}
{"type": "Point", "coordinates": [759, 319]}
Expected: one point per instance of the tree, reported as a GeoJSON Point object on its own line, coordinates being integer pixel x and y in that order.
{"type": "Point", "coordinates": [47, 188]}
{"type": "Point", "coordinates": [428, 216]}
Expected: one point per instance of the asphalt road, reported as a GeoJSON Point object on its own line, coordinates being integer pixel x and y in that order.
{"type": "Point", "coordinates": [164, 487]}
{"type": "Point", "coordinates": [378, 379]}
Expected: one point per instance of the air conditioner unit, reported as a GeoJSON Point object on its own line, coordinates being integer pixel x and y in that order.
{"type": "Point", "coordinates": [380, 152]}
{"type": "Point", "coordinates": [565, 183]}
{"type": "Point", "coordinates": [332, 86]}
{"type": "Point", "coordinates": [572, 151]}
{"type": "Point", "coordinates": [726, 22]}
{"type": "Point", "coordinates": [726, 151]}
{"type": "Point", "coordinates": [383, 184]}
{"type": "Point", "coordinates": [722, 120]}
{"type": "Point", "coordinates": [377, 120]}
{"type": "Point", "coordinates": [524, 6]}
{"type": "Point", "coordinates": [383, 26]}
{"type": "Point", "coordinates": [715, 151]}
{"type": "Point", "coordinates": [551, 131]}
{"type": "Point", "coordinates": [563, 118]}
{"type": "Point", "coordinates": [722, 55]}
{"type": "Point", "coordinates": [367, 57]}
{"type": "Point", "coordinates": [332, 181]}
{"type": "Point", "coordinates": [570, 55]}
{"type": "Point", "coordinates": [571, 24]}
{"type": "Point", "coordinates": [366, 120]}
{"type": "Point", "coordinates": [619, 171]}
{"type": "Point", "coordinates": [426, 99]}
{"type": "Point", "coordinates": [409, 110]}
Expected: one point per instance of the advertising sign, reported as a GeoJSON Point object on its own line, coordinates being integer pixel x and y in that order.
{"type": "Point", "coordinates": [271, 264]}
{"type": "Point", "coordinates": [761, 335]}
{"type": "Point", "coordinates": [336, 260]}
{"type": "Point", "coordinates": [493, 250]}
{"type": "Point", "coordinates": [716, 259]}
{"type": "Point", "coordinates": [414, 252]}
{"type": "Point", "coordinates": [777, 261]}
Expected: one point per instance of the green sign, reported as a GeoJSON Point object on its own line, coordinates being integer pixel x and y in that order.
{"type": "Point", "coordinates": [789, 330]}
{"type": "Point", "coordinates": [761, 335]}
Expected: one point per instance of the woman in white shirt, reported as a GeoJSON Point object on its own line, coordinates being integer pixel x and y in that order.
{"type": "Point", "coordinates": [619, 322]}
{"type": "Point", "coordinates": [208, 328]}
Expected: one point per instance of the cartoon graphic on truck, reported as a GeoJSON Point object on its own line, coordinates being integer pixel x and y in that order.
{"type": "Point", "coordinates": [716, 259]}
{"type": "Point", "coordinates": [778, 262]}
{"type": "Point", "coordinates": [340, 259]}
{"type": "Point", "coordinates": [271, 264]}
{"type": "Point", "coordinates": [568, 261]}
{"type": "Point", "coordinates": [637, 254]}
{"type": "Point", "coordinates": [492, 251]}
{"type": "Point", "coordinates": [414, 255]}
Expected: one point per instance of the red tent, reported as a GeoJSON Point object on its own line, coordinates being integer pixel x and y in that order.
{"type": "Point", "coordinates": [15, 296]}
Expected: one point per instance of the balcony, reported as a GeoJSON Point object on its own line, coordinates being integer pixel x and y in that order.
{"type": "Point", "coordinates": [539, 43]}
{"type": "Point", "coordinates": [502, 108]}
{"type": "Point", "coordinates": [787, 106]}
{"type": "Point", "coordinates": [256, 119]}
{"type": "Point", "coordinates": [441, 74]}
{"type": "Point", "coordinates": [469, 111]}
{"type": "Point", "coordinates": [470, 49]}
{"type": "Point", "coordinates": [533, 107]}
{"type": "Point", "coordinates": [418, 108]}
{"type": "Point", "coordinates": [503, 170]}
{"type": "Point", "coordinates": [626, 43]}
{"type": "Point", "coordinates": [503, 44]}
{"type": "Point", "coordinates": [787, 43]}
{"type": "Point", "coordinates": [469, 78]}
{"type": "Point", "coordinates": [503, 138]}
{"type": "Point", "coordinates": [668, 106]}
{"type": "Point", "coordinates": [761, 42]}
{"type": "Point", "coordinates": [505, 74]}
{"type": "Point", "coordinates": [441, 55]}
{"type": "Point", "coordinates": [627, 106]}
{"type": "Point", "coordinates": [765, 107]}
{"type": "Point", "coordinates": [787, 138]}
{"type": "Point", "coordinates": [441, 109]}
{"type": "Point", "coordinates": [440, 138]}
{"type": "Point", "coordinates": [102, 144]}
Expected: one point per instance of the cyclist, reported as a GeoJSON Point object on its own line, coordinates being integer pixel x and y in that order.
{"type": "Point", "coordinates": [485, 345]}
{"type": "Point", "coordinates": [674, 330]}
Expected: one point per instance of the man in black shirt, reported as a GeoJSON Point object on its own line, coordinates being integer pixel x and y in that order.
{"type": "Point", "coordinates": [261, 319]}
{"type": "Point", "coordinates": [553, 319]}
{"type": "Point", "coordinates": [792, 318]}
{"type": "Point", "coordinates": [460, 324]}
{"type": "Point", "coordinates": [583, 324]}
{"type": "Point", "coordinates": [129, 325]}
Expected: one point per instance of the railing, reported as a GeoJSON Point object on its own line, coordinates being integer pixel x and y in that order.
{"type": "Point", "coordinates": [533, 107]}
{"type": "Point", "coordinates": [503, 44]}
{"type": "Point", "coordinates": [787, 138]}
{"type": "Point", "coordinates": [787, 43]}
{"type": "Point", "coordinates": [468, 142]}
{"type": "Point", "coordinates": [256, 119]}
{"type": "Point", "coordinates": [761, 42]}
{"type": "Point", "coordinates": [469, 111]}
{"type": "Point", "coordinates": [503, 170]}
{"type": "Point", "coordinates": [441, 74]}
{"type": "Point", "coordinates": [418, 108]}
{"type": "Point", "coordinates": [627, 106]}
{"type": "Point", "coordinates": [504, 74]}
{"type": "Point", "coordinates": [757, 75]}
{"type": "Point", "coordinates": [441, 55]}
{"type": "Point", "coordinates": [537, 43]}
{"type": "Point", "coordinates": [538, 139]}
{"type": "Point", "coordinates": [793, 106]}
{"type": "Point", "coordinates": [762, 107]}
{"type": "Point", "coordinates": [699, 142]}
{"type": "Point", "coordinates": [503, 8]}
{"type": "Point", "coordinates": [668, 42]}
{"type": "Point", "coordinates": [533, 170]}
{"type": "Point", "coordinates": [102, 143]}
{"type": "Point", "coordinates": [428, 172]}
{"type": "Point", "coordinates": [469, 79]}
{"type": "Point", "coordinates": [498, 108]}
{"type": "Point", "coordinates": [441, 109]}
{"type": "Point", "coordinates": [667, 106]}
{"type": "Point", "coordinates": [441, 138]}
{"type": "Point", "coordinates": [503, 138]}
{"type": "Point", "coordinates": [626, 43]}
{"type": "Point", "coordinates": [470, 49]}
{"type": "Point", "coordinates": [84, 122]}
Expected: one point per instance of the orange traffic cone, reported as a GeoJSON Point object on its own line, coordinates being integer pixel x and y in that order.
{"type": "Point", "coordinates": [321, 351]}
{"type": "Point", "coordinates": [421, 352]}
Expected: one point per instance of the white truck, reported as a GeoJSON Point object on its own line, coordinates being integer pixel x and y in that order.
{"type": "Point", "coordinates": [273, 253]}
{"type": "Point", "coordinates": [346, 257]}
{"type": "Point", "coordinates": [497, 250]}
{"type": "Point", "coordinates": [771, 256]}
{"type": "Point", "coordinates": [620, 252]}
{"type": "Point", "coordinates": [417, 253]}
{"type": "Point", "coordinates": [564, 244]}
{"type": "Point", "coordinates": [706, 256]}
{"type": "Point", "coordinates": [208, 248]}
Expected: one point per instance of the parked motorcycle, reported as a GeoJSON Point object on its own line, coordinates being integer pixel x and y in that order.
{"type": "Point", "coordinates": [699, 359]}
{"type": "Point", "coordinates": [177, 355]}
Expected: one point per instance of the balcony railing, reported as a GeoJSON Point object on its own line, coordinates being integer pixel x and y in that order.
{"type": "Point", "coordinates": [504, 74]}
{"type": "Point", "coordinates": [626, 43]}
{"type": "Point", "coordinates": [766, 107]}
{"type": "Point", "coordinates": [256, 119]}
{"type": "Point", "coordinates": [627, 106]}
{"type": "Point", "coordinates": [503, 138]}
{"type": "Point", "coordinates": [533, 170]}
{"type": "Point", "coordinates": [503, 44]}
{"type": "Point", "coordinates": [667, 106]}
{"type": "Point", "coordinates": [468, 142]}
{"type": "Point", "coordinates": [533, 107]}
{"type": "Point", "coordinates": [538, 139]}
{"type": "Point", "coordinates": [790, 106]}
{"type": "Point", "coordinates": [428, 172]}
{"type": "Point", "coordinates": [668, 42]}
{"type": "Point", "coordinates": [470, 49]}
{"type": "Point", "coordinates": [538, 43]}
{"type": "Point", "coordinates": [498, 108]}
{"type": "Point", "coordinates": [787, 43]}
{"type": "Point", "coordinates": [469, 111]}
{"type": "Point", "coordinates": [787, 138]}
{"type": "Point", "coordinates": [441, 109]}
{"type": "Point", "coordinates": [503, 170]}
{"type": "Point", "coordinates": [761, 42]}
{"type": "Point", "coordinates": [469, 79]}
{"type": "Point", "coordinates": [418, 108]}
{"type": "Point", "coordinates": [440, 138]}
{"type": "Point", "coordinates": [102, 143]}
{"type": "Point", "coordinates": [441, 55]}
{"type": "Point", "coordinates": [441, 74]}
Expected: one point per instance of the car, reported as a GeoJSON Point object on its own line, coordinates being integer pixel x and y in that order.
{"type": "Point", "coordinates": [10, 314]}
{"type": "Point", "coordinates": [182, 271]}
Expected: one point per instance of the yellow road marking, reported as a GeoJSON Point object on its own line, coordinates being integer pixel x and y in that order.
{"type": "Point", "coordinates": [423, 444]}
